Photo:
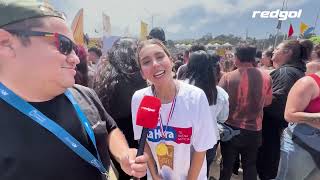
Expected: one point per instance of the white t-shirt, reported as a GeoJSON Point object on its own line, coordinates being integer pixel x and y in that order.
{"type": "Point", "coordinates": [220, 110]}
{"type": "Point", "coordinates": [190, 129]}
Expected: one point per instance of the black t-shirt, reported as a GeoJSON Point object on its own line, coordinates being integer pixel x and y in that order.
{"type": "Point", "coordinates": [30, 152]}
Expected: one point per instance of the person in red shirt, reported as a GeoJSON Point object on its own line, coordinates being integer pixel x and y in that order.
{"type": "Point", "coordinates": [249, 90]}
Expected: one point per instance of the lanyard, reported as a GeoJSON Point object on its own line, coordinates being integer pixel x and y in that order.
{"type": "Point", "coordinates": [173, 105]}
{"type": "Point", "coordinates": [27, 109]}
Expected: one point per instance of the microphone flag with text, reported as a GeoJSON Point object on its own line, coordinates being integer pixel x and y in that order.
{"type": "Point", "coordinates": [147, 117]}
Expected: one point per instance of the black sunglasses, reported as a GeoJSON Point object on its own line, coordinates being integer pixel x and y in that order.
{"type": "Point", "coordinates": [63, 43]}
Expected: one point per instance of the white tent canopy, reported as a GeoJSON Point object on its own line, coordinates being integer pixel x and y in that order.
{"type": "Point", "coordinates": [227, 44]}
{"type": "Point", "coordinates": [216, 45]}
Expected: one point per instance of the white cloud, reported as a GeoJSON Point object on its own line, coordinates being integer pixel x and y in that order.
{"type": "Point", "coordinates": [174, 28]}
{"type": "Point", "coordinates": [125, 13]}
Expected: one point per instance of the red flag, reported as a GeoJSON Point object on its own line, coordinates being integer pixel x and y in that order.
{"type": "Point", "coordinates": [290, 32]}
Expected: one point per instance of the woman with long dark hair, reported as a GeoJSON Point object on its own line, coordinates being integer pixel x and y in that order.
{"type": "Point", "coordinates": [119, 78]}
{"type": "Point", "coordinates": [201, 73]}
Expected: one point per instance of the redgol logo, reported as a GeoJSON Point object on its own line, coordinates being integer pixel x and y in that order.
{"type": "Point", "coordinates": [281, 15]}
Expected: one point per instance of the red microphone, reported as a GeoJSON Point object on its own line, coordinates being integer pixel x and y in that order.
{"type": "Point", "coordinates": [147, 117]}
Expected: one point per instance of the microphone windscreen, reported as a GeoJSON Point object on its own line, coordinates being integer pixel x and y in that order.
{"type": "Point", "coordinates": [148, 112]}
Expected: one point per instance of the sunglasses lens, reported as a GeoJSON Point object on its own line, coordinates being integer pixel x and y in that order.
{"type": "Point", "coordinates": [65, 45]}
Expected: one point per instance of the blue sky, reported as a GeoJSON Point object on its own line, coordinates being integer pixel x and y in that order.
{"type": "Point", "coordinates": [186, 19]}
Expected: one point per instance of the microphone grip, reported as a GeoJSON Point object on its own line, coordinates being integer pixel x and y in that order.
{"type": "Point", "coordinates": [142, 141]}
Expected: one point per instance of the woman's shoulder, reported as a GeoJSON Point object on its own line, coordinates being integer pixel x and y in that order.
{"type": "Point", "coordinates": [142, 92]}
{"type": "Point", "coordinates": [188, 88]}
{"type": "Point", "coordinates": [222, 93]}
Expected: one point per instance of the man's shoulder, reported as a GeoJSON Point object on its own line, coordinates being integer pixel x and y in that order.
{"type": "Point", "coordinates": [231, 74]}
{"type": "Point", "coordinates": [222, 93]}
{"type": "Point", "coordinates": [86, 98]}
{"type": "Point", "coordinates": [80, 88]}
{"type": "Point", "coordinates": [183, 66]}
{"type": "Point", "coordinates": [80, 91]}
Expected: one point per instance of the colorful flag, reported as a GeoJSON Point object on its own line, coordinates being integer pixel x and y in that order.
{"type": "Point", "coordinates": [308, 31]}
{"type": "Point", "coordinates": [143, 30]}
{"type": "Point", "coordinates": [290, 32]}
{"type": "Point", "coordinates": [77, 27]}
{"type": "Point", "coordinates": [303, 27]}
{"type": "Point", "coordinates": [106, 25]}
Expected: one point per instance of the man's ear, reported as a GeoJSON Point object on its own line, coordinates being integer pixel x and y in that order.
{"type": "Point", "coordinates": [6, 44]}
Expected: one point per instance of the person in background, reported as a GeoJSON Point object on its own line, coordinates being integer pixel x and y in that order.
{"type": "Point", "coordinates": [289, 60]}
{"type": "Point", "coordinates": [157, 33]}
{"type": "Point", "coordinates": [308, 44]}
{"type": "Point", "coordinates": [249, 91]}
{"type": "Point", "coordinates": [257, 58]}
{"type": "Point", "coordinates": [300, 147]}
{"type": "Point", "coordinates": [314, 65]}
{"type": "Point", "coordinates": [201, 74]}
{"type": "Point", "coordinates": [214, 60]}
{"type": "Point", "coordinates": [119, 79]}
{"type": "Point", "coordinates": [81, 76]}
{"type": "Point", "coordinates": [193, 48]}
{"type": "Point", "coordinates": [186, 57]}
{"type": "Point", "coordinates": [266, 62]}
{"type": "Point", "coordinates": [94, 55]}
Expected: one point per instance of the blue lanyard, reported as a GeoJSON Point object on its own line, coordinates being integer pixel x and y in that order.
{"type": "Point", "coordinates": [27, 109]}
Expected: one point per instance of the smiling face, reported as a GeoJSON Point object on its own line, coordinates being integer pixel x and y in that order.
{"type": "Point", "coordinates": [155, 63]}
{"type": "Point", "coordinates": [40, 62]}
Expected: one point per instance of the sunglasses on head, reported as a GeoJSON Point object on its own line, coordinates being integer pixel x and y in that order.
{"type": "Point", "coordinates": [63, 43]}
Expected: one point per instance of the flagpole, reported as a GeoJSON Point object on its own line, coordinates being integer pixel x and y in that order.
{"type": "Point", "coordinates": [264, 42]}
{"type": "Point", "coordinates": [279, 27]}
{"type": "Point", "coordinates": [315, 23]}
{"type": "Point", "coordinates": [275, 40]}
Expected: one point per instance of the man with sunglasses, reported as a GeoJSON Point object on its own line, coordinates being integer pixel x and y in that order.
{"type": "Point", "coordinates": [50, 128]}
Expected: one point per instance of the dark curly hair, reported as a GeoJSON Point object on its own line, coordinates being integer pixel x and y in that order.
{"type": "Point", "coordinates": [120, 75]}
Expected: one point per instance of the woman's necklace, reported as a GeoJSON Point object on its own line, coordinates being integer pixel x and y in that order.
{"type": "Point", "coordinates": [161, 148]}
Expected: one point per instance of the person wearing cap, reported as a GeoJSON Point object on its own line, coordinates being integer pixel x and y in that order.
{"type": "Point", "coordinates": [50, 128]}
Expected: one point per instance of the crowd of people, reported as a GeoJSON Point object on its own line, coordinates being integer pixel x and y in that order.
{"type": "Point", "coordinates": [69, 112]}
